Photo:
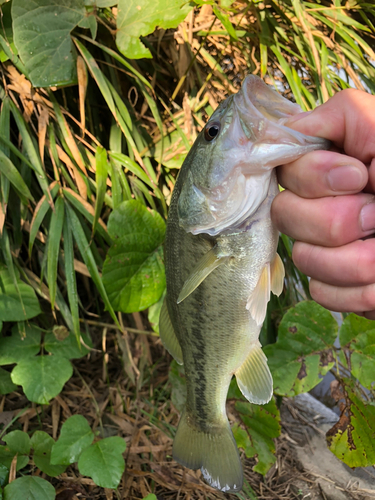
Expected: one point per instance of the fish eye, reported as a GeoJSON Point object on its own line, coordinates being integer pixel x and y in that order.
{"type": "Point", "coordinates": [211, 131]}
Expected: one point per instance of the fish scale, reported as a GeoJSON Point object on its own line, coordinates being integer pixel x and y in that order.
{"type": "Point", "coordinates": [221, 265]}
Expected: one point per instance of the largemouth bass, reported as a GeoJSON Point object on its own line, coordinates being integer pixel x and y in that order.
{"type": "Point", "coordinates": [221, 265]}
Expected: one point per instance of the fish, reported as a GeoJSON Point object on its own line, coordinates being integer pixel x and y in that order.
{"type": "Point", "coordinates": [221, 265]}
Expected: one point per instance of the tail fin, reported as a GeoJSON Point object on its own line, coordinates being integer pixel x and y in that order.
{"type": "Point", "coordinates": [215, 453]}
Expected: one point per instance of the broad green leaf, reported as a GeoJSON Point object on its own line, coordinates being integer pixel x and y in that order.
{"type": "Point", "coordinates": [103, 462]}
{"type": "Point", "coordinates": [66, 348]}
{"type": "Point", "coordinates": [6, 384]}
{"type": "Point", "coordinates": [303, 350]}
{"type": "Point", "coordinates": [29, 488]}
{"type": "Point", "coordinates": [262, 423]}
{"type": "Point", "coordinates": [75, 437]}
{"type": "Point", "coordinates": [12, 174]}
{"type": "Point", "coordinates": [6, 30]}
{"type": "Point", "coordinates": [15, 348]}
{"type": "Point", "coordinates": [352, 438]}
{"type": "Point", "coordinates": [357, 339]}
{"type": "Point", "coordinates": [137, 18]}
{"type": "Point", "coordinates": [101, 4]}
{"type": "Point", "coordinates": [42, 377]}
{"type": "Point", "coordinates": [133, 271]}
{"type": "Point", "coordinates": [42, 36]}
{"type": "Point", "coordinates": [151, 496]}
{"type": "Point", "coordinates": [18, 442]}
{"type": "Point", "coordinates": [7, 455]}
{"type": "Point", "coordinates": [4, 476]}
{"type": "Point", "coordinates": [54, 237]}
{"type": "Point", "coordinates": [42, 444]}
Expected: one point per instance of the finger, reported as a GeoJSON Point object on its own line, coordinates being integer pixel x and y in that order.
{"type": "Point", "coordinates": [349, 265]}
{"type": "Point", "coordinates": [337, 121]}
{"type": "Point", "coordinates": [323, 173]}
{"type": "Point", "coordinates": [331, 221]}
{"type": "Point", "coordinates": [344, 299]}
{"type": "Point", "coordinates": [370, 188]}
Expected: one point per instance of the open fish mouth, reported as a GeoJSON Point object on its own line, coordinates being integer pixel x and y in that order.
{"type": "Point", "coordinates": [251, 140]}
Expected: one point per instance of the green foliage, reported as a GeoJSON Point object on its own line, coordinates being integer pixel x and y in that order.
{"type": "Point", "coordinates": [141, 17]}
{"type": "Point", "coordinates": [66, 171]}
{"type": "Point", "coordinates": [262, 426]}
{"type": "Point", "coordinates": [303, 350]}
{"type": "Point", "coordinates": [42, 443]}
{"type": "Point", "coordinates": [49, 59]}
{"type": "Point", "coordinates": [357, 338]}
{"type": "Point", "coordinates": [133, 272]}
{"type": "Point", "coordinates": [103, 461]}
{"type": "Point", "coordinates": [75, 436]}
{"type": "Point", "coordinates": [352, 438]}
{"type": "Point", "coordinates": [30, 487]}
{"type": "Point", "coordinates": [49, 374]}
{"type": "Point", "coordinates": [17, 299]}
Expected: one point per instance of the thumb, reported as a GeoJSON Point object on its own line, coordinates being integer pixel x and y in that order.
{"type": "Point", "coordinates": [347, 119]}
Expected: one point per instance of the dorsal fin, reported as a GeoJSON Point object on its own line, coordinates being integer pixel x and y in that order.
{"type": "Point", "coordinates": [206, 264]}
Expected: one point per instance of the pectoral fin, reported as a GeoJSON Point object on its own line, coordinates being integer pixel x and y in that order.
{"type": "Point", "coordinates": [271, 280]}
{"type": "Point", "coordinates": [258, 300]}
{"type": "Point", "coordinates": [254, 378]}
{"type": "Point", "coordinates": [167, 334]}
{"type": "Point", "coordinates": [210, 261]}
{"type": "Point", "coordinates": [277, 275]}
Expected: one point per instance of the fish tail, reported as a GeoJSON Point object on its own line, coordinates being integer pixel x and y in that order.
{"type": "Point", "coordinates": [213, 451]}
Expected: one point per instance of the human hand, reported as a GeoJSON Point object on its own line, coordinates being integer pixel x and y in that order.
{"type": "Point", "coordinates": [328, 204]}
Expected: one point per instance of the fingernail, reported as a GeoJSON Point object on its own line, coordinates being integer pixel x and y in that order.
{"type": "Point", "coordinates": [367, 216]}
{"type": "Point", "coordinates": [345, 178]}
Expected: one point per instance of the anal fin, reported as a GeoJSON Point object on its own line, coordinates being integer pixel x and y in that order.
{"type": "Point", "coordinates": [254, 377]}
{"type": "Point", "coordinates": [277, 275]}
{"type": "Point", "coordinates": [210, 261]}
{"type": "Point", "coordinates": [167, 334]}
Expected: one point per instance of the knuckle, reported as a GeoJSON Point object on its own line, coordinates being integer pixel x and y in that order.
{"type": "Point", "coordinates": [335, 230]}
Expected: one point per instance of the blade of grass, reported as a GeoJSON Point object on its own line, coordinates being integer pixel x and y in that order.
{"type": "Point", "coordinates": [101, 184]}
{"type": "Point", "coordinates": [39, 213]}
{"type": "Point", "coordinates": [32, 151]}
{"type": "Point", "coordinates": [88, 258]}
{"type": "Point", "coordinates": [70, 275]}
{"type": "Point", "coordinates": [5, 132]}
{"type": "Point", "coordinates": [54, 238]}
{"type": "Point", "coordinates": [5, 246]}
{"type": "Point", "coordinates": [118, 58]}
{"type": "Point", "coordinates": [87, 211]}
{"type": "Point", "coordinates": [12, 174]}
